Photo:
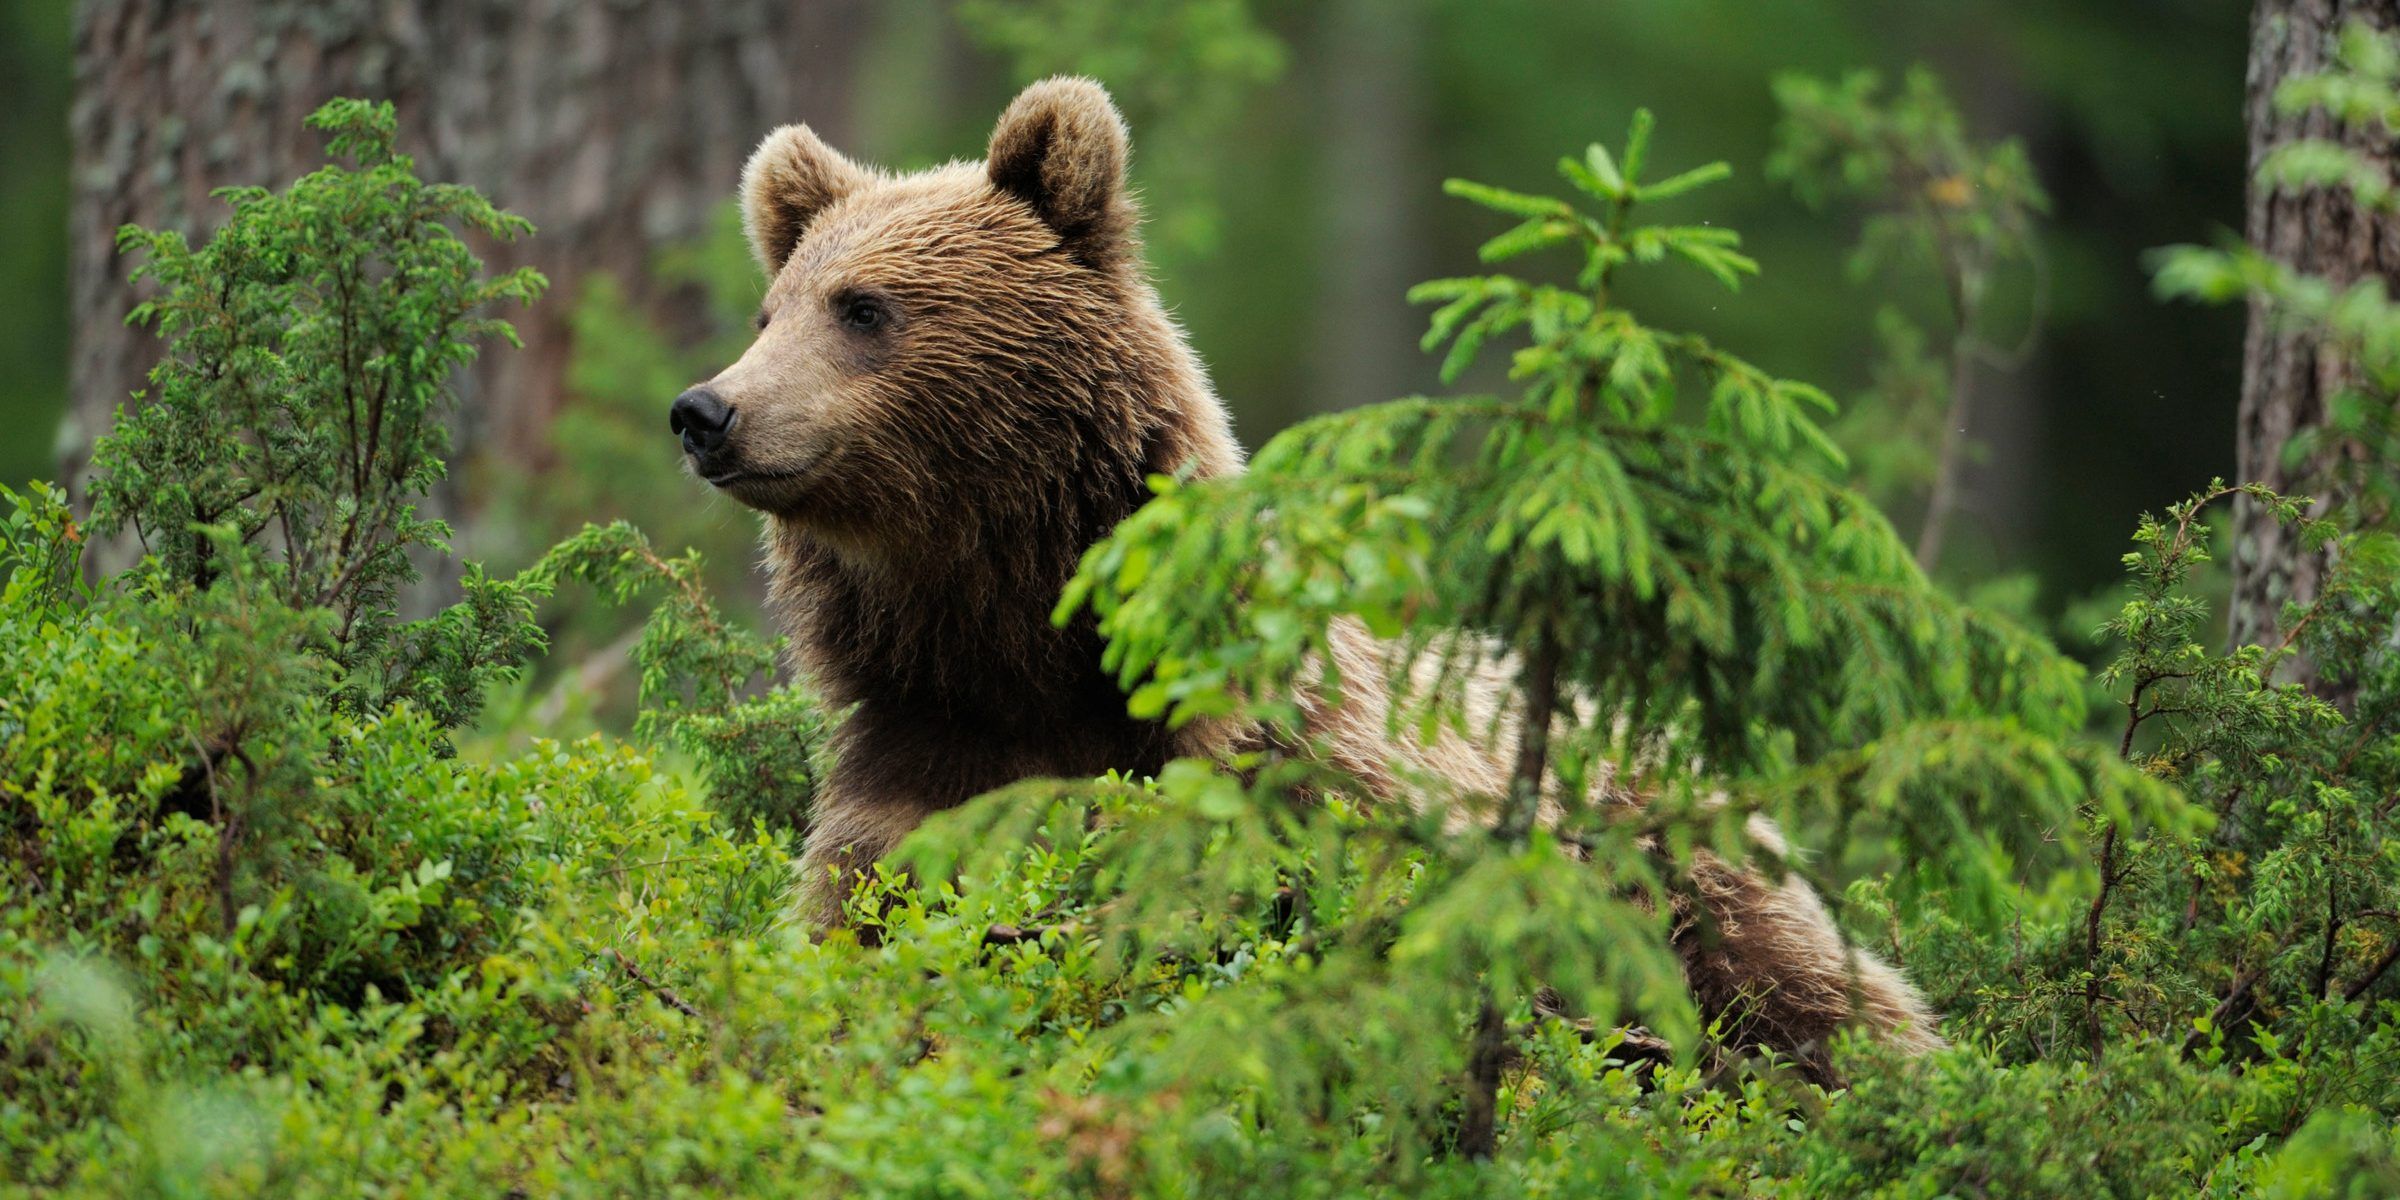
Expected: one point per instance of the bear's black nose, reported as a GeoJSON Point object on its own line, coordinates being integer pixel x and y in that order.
{"type": "Point", "coordinates": [701, 419]}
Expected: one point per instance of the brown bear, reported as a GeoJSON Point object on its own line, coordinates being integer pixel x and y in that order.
{"type": "Point", "coordinates": [961, 381]}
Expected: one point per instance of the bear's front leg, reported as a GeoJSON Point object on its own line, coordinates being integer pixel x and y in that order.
{"type": "Point", "coordinates": [850, 833]}
{"type": "Point", "coordinates": [892, 768]}
{"type": "Point", "coordinates": [896, 764]}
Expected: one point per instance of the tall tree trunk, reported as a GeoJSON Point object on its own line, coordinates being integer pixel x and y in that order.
{"type": "Point", "coordinates": [616, 128]}
{"type": "Point", "coordinates": [1364, 346]}
{"type": "Point", "coordinates": [2288, 378]}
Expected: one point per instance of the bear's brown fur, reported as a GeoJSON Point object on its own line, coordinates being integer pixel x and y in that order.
{"type": "Point", "coordinates": [961, 380]}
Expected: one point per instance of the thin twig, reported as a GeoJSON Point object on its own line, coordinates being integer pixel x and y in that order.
{"type": "Point", "coordinates": [1013, 935]}
{"type": "Point", "coordinates": [2094, 917]}
{"type": "Point", "coordinates": [666, 995]}
{"type": "Point", "coordinates": [2333, 929]}
{"type": "Point", "coordinates": [656, 862]}
{"type": "Point", "coordinates": [1944, 497]}
{"type": "Point", "coordinates": [2355, 990]}
{"type": "Point", "coordinates": [2226, 1009]}
{"type": "Point", "coordinates": [217, 817]}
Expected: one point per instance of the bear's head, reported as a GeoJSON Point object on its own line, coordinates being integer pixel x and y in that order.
{"type": "Point", "coordinates": [954, 358]}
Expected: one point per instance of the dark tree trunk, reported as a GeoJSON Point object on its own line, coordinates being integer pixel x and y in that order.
{"type": "Point", "coordinates": [2289, 378]}
{"type": "Point", "coordinates": [617, 129]}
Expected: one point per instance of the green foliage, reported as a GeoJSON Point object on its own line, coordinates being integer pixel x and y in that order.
{"type": "Point", "coordinates": [1945, 215]}
{"type": "Point", "coordinates": [2264, 917]}
{"type": "Point", "coordinates": [2362, 92]}
{"type": "Point", "coordinates": [269, 924]}
{"type": "Point", "coordinates": [1937, 199]}
{"type": "Point", "coordinates": [2270, 930]}
{"type": "Point", "coordinates": [40, 545]}
{"type": "Point", "coordinates": [1170, 55]}
{"type": "Point", "coordinates": [2341, 1154]}
{"type": "Point", "coordinates": [237, 835]}
{"type": "Point", "coordinates": [761, 753]}
{"type": "Point", "coordinates": [301, 408]}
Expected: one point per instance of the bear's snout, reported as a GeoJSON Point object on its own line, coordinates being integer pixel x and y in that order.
{"type": "Point", "coordinates": [702, 420]}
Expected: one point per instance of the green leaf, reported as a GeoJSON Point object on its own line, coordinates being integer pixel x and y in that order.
{"type": "Point", "coordinates": [1534, 234]}
{"type": "Point", "coordinates": [1676, 185]}
{"type": "Point", "coordinates": [1516, 203]}
{"type": "Point", "coordinates": [1637, 146]}
{"type": "Point", "coordinates": [1604, 168]}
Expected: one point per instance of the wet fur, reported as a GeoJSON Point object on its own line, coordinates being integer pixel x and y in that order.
{"type": "Point", "coordinates": [929, 489]}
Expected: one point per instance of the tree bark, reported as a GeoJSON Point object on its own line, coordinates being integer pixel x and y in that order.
{"type": "Point", "coordinates": [617, 129]}
{"type": "Point", "coordinates": [2290, 377]}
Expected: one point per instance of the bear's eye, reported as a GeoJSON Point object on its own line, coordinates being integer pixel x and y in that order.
{"type": "Point", "coordinates": [863, 313]}
{"type": "Point", "coordinates": [760, 320]}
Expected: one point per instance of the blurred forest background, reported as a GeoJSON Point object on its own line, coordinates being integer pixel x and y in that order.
{"type": "Point", "coordinates": [1290, 154]}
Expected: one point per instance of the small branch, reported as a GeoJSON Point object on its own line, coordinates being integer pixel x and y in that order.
{"type": "Point", "coordinates": [2227, 1008]}
{"type": "Point", "coordinates": [1533, 739]}
{"type": "Point", "coordinates": [2238, 1004]}
{"type": "Point", "coordinates": [218, 817]}
{"type": "Point", "coordinates": [2094, 918]}
{"type": "Point", "coordinates": [1013, 935]}
{"type": "Point", "coordinates": [656, 862]}
{"type": "Point", "coordinates": [1944, 497]}
{"type": "Point", "coordinates": [2355, 990]}
{"type": "Point", "coordinates": [2333, 927]}
{"type": "Point", "coordinates": [2091, 937]}
{"type": "Point", "coordinates": [666, 995]}
{"type": "Point", "coordinates": [2293, 634]}
{"type": "Point", "coordinates": [2366, 733]}
{"type": "Point", "coordinates": [1479, 1115]}
{"type": "Point", "coordinates": [2134, 716]}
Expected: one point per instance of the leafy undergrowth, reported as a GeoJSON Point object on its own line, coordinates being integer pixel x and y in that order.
{"type": "Point", "coordinates": [560, 975]}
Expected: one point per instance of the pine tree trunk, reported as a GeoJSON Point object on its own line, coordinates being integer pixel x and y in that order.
{"type": "Point", "coordinates": [2289, 378]}
{"type": "Point", "coordinates": [617, 129]}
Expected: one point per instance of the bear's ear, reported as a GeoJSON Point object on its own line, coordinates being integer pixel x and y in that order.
{"type": "Point", "coordinates": [1060, 147]}
{"type": "Point", "coordinates": [791, 177]}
